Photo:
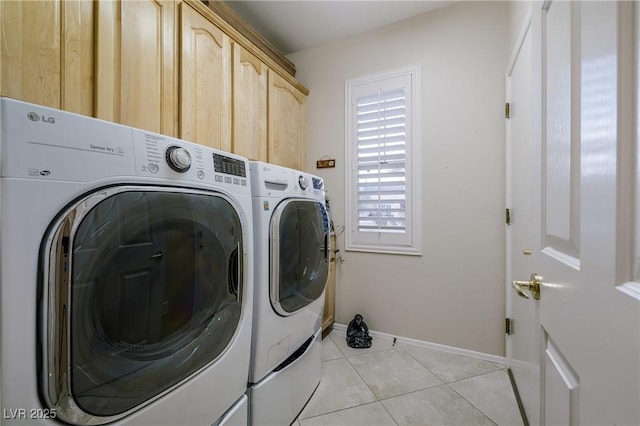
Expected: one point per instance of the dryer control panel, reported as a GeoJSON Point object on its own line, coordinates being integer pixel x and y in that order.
{"type": "Point", "coordinates": [270, 180]}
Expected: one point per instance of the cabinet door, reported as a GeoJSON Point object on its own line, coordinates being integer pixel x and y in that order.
{"type": "Point", "coordinates": [249, 105]}
{"type": "Point", "coordinates": [329, 313]}
{"type": "Point", "coordinates": [205, 86]}
{"type": "Point", "coordinates": [47, 53]}
{"type": "Point", "coordinates": [135, 73]}
{"type": "Point", "coordinates": [287, 123]}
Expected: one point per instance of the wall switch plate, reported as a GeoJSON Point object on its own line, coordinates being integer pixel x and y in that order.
{"type": "Point", "coordinates": [325, 164]}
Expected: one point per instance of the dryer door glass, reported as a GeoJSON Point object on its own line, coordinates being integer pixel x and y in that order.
{"type": "Point", "coordinates": [155, 294]}
{"type": "Point", "coordinates": [299, 256]}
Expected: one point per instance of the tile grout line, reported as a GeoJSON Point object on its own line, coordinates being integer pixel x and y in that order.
{"type": "Point", "coordinates": [418, 361]}
{"type": "Point", "coordinates": [455, 381]}
{"type": "Point", "coordinates": [395, 396]}
{"type": "Point", "coordinates": [340, 409]}
{"type": "Point", "coordinates": [389, 413]}
{"type": "Point", "coordinates": [412, 392]}
{"type": "Point", "coordinates": [432, 387]}
{"type": "Point", "coordinates": [443, 382]}
{"type": "Point", "coordinates": [473, 405]}
{"type": "Point", "coordinates": [361, 378]}
{"type": "Point", "coordinates": [378, 400]}
{"type": "Point", "coordinates": [336, 345]}
{"type": "Point", "coordinates": [345, 409]}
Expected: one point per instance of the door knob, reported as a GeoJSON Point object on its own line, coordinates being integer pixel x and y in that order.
{"type": "Point", "coordinates": [533, 285]}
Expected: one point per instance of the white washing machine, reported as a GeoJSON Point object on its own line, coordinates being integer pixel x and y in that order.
{"type": "Point", "coordinates": [126, 271]}
{"type": "Point", "coordinates": [291, 243]}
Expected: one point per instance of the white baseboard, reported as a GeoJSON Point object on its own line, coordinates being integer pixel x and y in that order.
{"type": "Point", "coordinates": [435, 346]}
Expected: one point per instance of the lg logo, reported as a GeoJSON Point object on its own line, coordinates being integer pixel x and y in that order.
{"type": "Point", "coordinates": [34, 116]}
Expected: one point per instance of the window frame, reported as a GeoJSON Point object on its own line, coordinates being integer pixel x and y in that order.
{"type": "Point", "coordinates": [409, 243]}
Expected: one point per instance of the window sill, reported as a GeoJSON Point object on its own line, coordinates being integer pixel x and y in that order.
{"type": "Point", "coordinates": [409, 251]}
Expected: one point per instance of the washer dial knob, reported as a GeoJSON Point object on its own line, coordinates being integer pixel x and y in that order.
{"type": "Point", "coordinates": [303, 182]}
{"type": "Point", "coordinates": [178, 158]}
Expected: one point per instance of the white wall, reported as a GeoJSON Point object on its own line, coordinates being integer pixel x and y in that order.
{"type": "Point", "coordinates": [518, 12]}
{"type": "Point", "coordinates": [454, 293]}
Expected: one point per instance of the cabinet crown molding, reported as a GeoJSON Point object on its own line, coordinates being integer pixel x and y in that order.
{"type": "Point", "coordinates": [243, 33]}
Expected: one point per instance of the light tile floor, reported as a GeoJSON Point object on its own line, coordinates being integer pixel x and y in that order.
{"type": "Point", "coordinates": [407, 385]}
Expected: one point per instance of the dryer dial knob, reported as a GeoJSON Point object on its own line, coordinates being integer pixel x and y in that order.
{"type": "Point", "coordinates": [178, 158]}
{"type": "Point", "coordinates": [303, 182]}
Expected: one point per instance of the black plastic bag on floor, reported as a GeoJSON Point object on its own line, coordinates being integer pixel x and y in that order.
{"type": "Point", "coordinates": [358, 333]}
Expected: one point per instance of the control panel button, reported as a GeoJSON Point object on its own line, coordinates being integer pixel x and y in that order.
{"type": "Point", "coordinates": [178, 158]}
{"type": "Point", "coordinates": [303, 182]}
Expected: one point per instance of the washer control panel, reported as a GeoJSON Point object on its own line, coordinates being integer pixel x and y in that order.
{"type": "Point", "coordinates": [166, 157]}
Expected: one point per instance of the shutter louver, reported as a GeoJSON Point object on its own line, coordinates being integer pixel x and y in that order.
{"type": "Point", "coordinates": [381, 156]}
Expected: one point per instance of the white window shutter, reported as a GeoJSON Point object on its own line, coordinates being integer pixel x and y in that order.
{"type": "Point", "coordinates": [381, 140]}
{"type": "Point", "coordinates": [382, 209]}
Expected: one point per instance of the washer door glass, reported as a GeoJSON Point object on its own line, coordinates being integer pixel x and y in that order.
{"type": "Point", "coordinates": [299, 254]}
{"type": "Point", "coordinates": [155, 294]}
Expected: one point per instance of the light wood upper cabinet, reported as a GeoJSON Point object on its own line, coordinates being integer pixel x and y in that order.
{"type": "Point", "coordinates": [135, 80]}
{"type": "Point", "coordinates": [205, 86]}
{"type": "Point", "coordinates": [287, 123]}
{"type": "Point", "coordinates": [47, 53]}
{"type": "Point", "coordinates": [174, 67]}
{"type": "Point", "coordinates": [250, 105]}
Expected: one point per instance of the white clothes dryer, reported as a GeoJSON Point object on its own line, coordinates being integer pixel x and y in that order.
{"type": "Point", "coordinates": [126, 271]}
{"type": "Point", "coordinates": [291, 243]}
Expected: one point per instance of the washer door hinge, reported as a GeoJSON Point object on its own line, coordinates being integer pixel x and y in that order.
{"type": "Point", "coordinates": [508, 326]}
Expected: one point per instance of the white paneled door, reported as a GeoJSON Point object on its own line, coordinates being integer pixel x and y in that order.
{"type": "Point", "coordinates": [522, 233]}
{"type": "Point", "coordinates": [581, 186]}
